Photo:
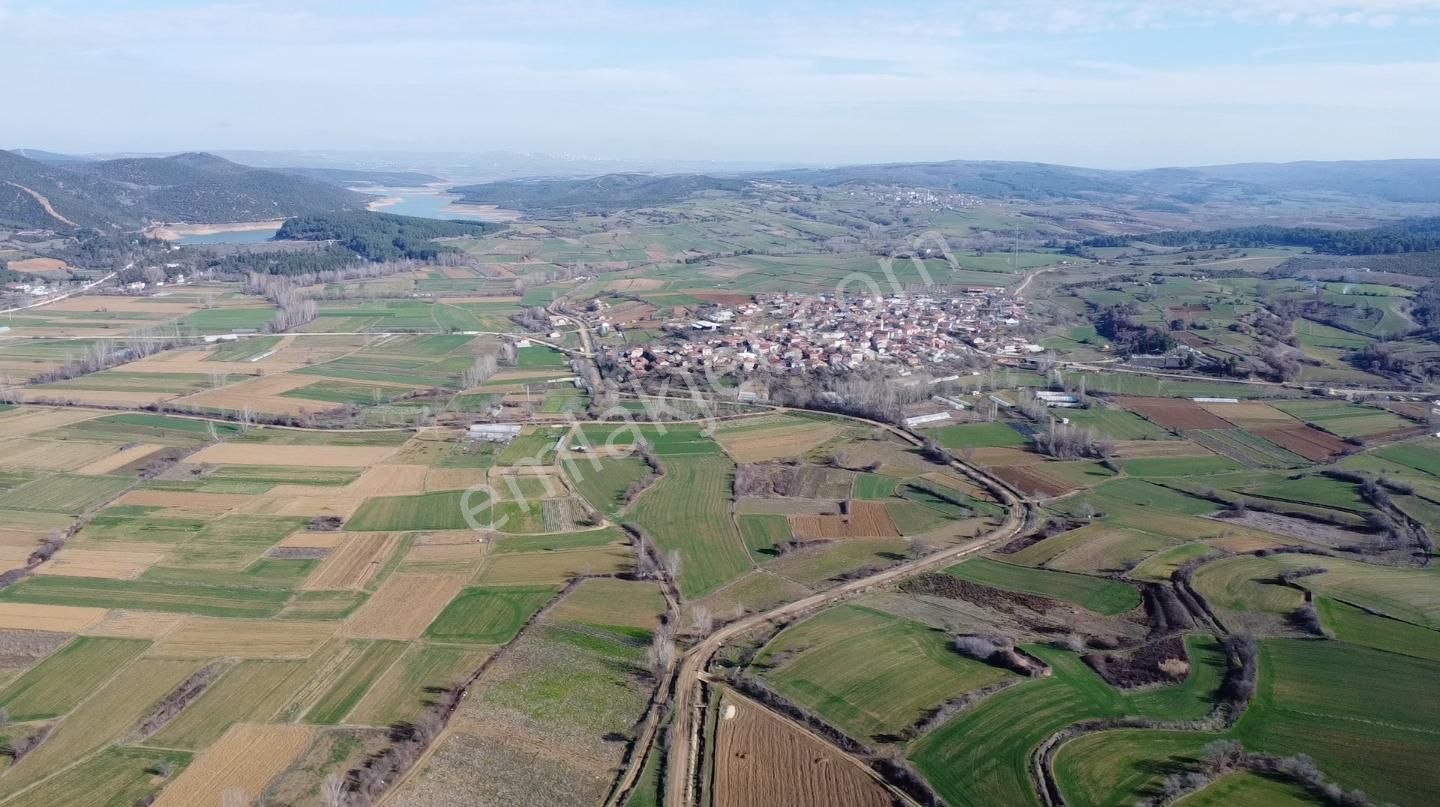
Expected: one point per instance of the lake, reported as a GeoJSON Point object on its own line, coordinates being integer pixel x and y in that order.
{"type": "Point", "coordinates": [429, 203]}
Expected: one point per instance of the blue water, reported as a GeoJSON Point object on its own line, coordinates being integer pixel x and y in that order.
{"type": "Point", "coordinates": [420, 202]}
{"type": "Point", "coordinates": [244, 237]}
{"type": "Point", "coordinates": [425, 204]}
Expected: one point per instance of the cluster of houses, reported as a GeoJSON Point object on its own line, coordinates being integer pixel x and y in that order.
{"type": "Point", "coordinates": [796, 333]}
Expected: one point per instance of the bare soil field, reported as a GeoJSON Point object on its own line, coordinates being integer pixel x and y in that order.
{"type": "Point", "coordinates": [43, 455]}
{"type": "Point", "coordinates": [353, 562]}
{"type": "Point", "coordinates": [243, 761]}
{"type": "Point", "coordinates": [203, 504]}
{"type": "Point", "coordinates": [37, 266]}
{"type": "Point", "coordinates": [58, 618]}
{"type": "Point", "coordinates": [303, 456]}
{"type": "Point", "coordinates": [112, 564]}
{"type": "Point", "coordinates": [1151, 449]}
{"type": "Point", "coordinates": [1173, 413]}
{"type": "Point", "coordinates": [120, 459]}
{"type": "Point", "coordinates": [138, 305]}
{"type": "Point", "coordinates": [13, 557]}
{"type": "Point", "coordinates": [389, 480]}
{"type": "Point", "coordinates": [95, 396]}
{"type": "Point", "coordinates": [207, 637]}
{"type": "Point", "coordinates": [311, 540]}
{"type": "Point", "coordinates": [956, 483]}
{"type": "Point", "coordinates": [1005, 456]}
{"type": "Point", "coordinates": [787, 438]}
{"type": "Point", "coordinates": [122, 624]}
{"type": "Point", "coordinates": [35, 419]}
{"type": "Point", "coordinates": [319, 504]}
{"type": "Point", "coordinates": [1303, 529]}
{"type": "Point", "coordinates": [1307, 441]}
{"type": "Point", "coordinates": [262, 395]}
{"type": "Point", "coordinates": [1032, 479]}
{"type": "Point", "coordinates": [760, 759]}
{"type": "Point", "coordinates": [723, 298]}
{"type": "Point", "coordinates": [403, 607]}
{"type": "Point", "coordinates": [554, 568]}
{"type": "Point", "coordinates": [454, 478]}
{"type": "Point", "coordinates": [863, 520]}
{"type": "Point", "coordinates": [1250, 413]}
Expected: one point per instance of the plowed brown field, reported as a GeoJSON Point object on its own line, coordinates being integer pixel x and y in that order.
{"type": "Point", "coordinates": [760, 759]}
{"type": "Point", "coordinates": [864, 520]}
{"type": "Point", "coordinates": [1172, 413]}
{"type": "Point", "coordinates": [1308, 442]}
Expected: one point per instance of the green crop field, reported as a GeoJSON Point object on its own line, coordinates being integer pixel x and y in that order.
{"type": "Point", "coordinates": [66, 677]}
{"type": "Point", "coordinates": [64, 494]}
{"type": "Point", "coordinates": [869, 672]}
{"type": "Point", "coordinates": [252, 691]}
{"type": "Point", "coordinates": [115, 776]}
{"type": "Point", "coordinates": [199, 598]}
{"type": "Point", "coordinates": [605, 487]}
{"type": "Point", "coordinates": [1344, 419]}
{"type": "Point", "coordinates": [101, 719]}
{"type": "Point", "coordinates": [688, 510]}
{"type": "Point", "coordinates": [1097, 594]}
{"type": "Point", "coordinates": [1117, 424]}
{"type": "Point", "coordinates": [1249, 790]}
{"type": "Point", "coordinates": [402, 691]}
{"type": "Point", "coordinates": [1422, 456]}
{"type": "Point", "coordinates": [488, 615]}
{"type": "Point", "coordinates": [981, 757]}
{"type": "Point", "coordinates": [1356, 626]}
{"type": "Point", "coordinates": [665, 439]}
{"type": "Point", "coordinates": [352, 684]}
{"type": "Point", "coordinates": [761, 532]}
{"type": "Point", "coordinates": [1123, 767]}
{"type": "Point", "coordinates": [297, 437]}
{"type": "Point", "coordinates": [978, 435]}
{"type": "Point", "coordinates": [540, 357]}
{"type": "Point", "coordinates": [1354, 710]}
{"type": "Point", "coordinates": [874, 486]}
{"type": "Point", "coordinates": [144, 428]}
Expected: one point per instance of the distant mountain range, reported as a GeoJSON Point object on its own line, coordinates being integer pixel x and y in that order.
{"type": "Point", "coordinates": [42, 188]}
{"type": "Point", "coordinates": [128, 193]}
{"type": "Point", "coordinates": [1408, 181]}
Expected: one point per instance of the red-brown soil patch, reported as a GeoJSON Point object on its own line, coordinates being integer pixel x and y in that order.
{"type": "Point", "coordinates": [1172, 413]}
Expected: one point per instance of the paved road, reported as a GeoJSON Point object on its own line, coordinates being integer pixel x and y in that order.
{"type": "Point", "coordinates": [57, 298]}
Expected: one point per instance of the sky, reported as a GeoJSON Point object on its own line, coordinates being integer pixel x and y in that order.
{"type": "Point", "coordinates": [1102, 83]}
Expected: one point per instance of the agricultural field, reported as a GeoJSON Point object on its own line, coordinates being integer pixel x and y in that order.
{"type": "Point", "coordinates": [689, 511]}
{"type": "Point", "coordinates": [868, 672]}
{"type": "Point", "coordinates": [254, 568]}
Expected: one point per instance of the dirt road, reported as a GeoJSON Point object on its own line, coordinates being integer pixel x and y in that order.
{"type": "Point", "coordinates": [683, 752]}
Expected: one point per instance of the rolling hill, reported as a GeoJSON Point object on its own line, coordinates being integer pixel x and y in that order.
{"type": "Point", "coordinates": [1408, 181]}
{"type": "Point", "coordinates": [127, 193]}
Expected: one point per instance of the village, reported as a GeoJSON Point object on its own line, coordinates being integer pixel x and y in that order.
{"type": "Point", "coordinates": [800, 333]}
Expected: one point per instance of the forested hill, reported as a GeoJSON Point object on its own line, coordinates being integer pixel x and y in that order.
{"type": "Point", "coordinates": [381, 236]}
{"type": "Point", "coordinates": [595, 194]}
{"type": "Point", "coordinates": [1414, 235]}
{"type": "Point", "coordinates": [128, 193]}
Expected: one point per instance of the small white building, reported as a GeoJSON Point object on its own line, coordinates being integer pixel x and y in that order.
{"type": "Point", "coordinates": [494, 432]}
{"type": "Point", "coordinates": [920, 420]}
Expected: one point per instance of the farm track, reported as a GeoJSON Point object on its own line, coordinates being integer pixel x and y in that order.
{"type": "Point", "coordinates": [681, 761]}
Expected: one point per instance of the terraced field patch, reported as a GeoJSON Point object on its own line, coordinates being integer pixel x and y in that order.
{"type": "Point", "coordinates": [1094, 593]}
{"type": "Point", "coordinates": [869, 672]}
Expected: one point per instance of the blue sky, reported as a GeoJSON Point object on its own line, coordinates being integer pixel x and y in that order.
{"type": "Point", "coordinates": [1106, 83]}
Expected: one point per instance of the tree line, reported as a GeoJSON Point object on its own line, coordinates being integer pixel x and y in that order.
{"type": "Point", "coordinates": [1411, 235]}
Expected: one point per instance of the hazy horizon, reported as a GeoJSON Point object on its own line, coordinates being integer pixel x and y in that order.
{"type": "Point", "coordinates": [1094, 83]}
